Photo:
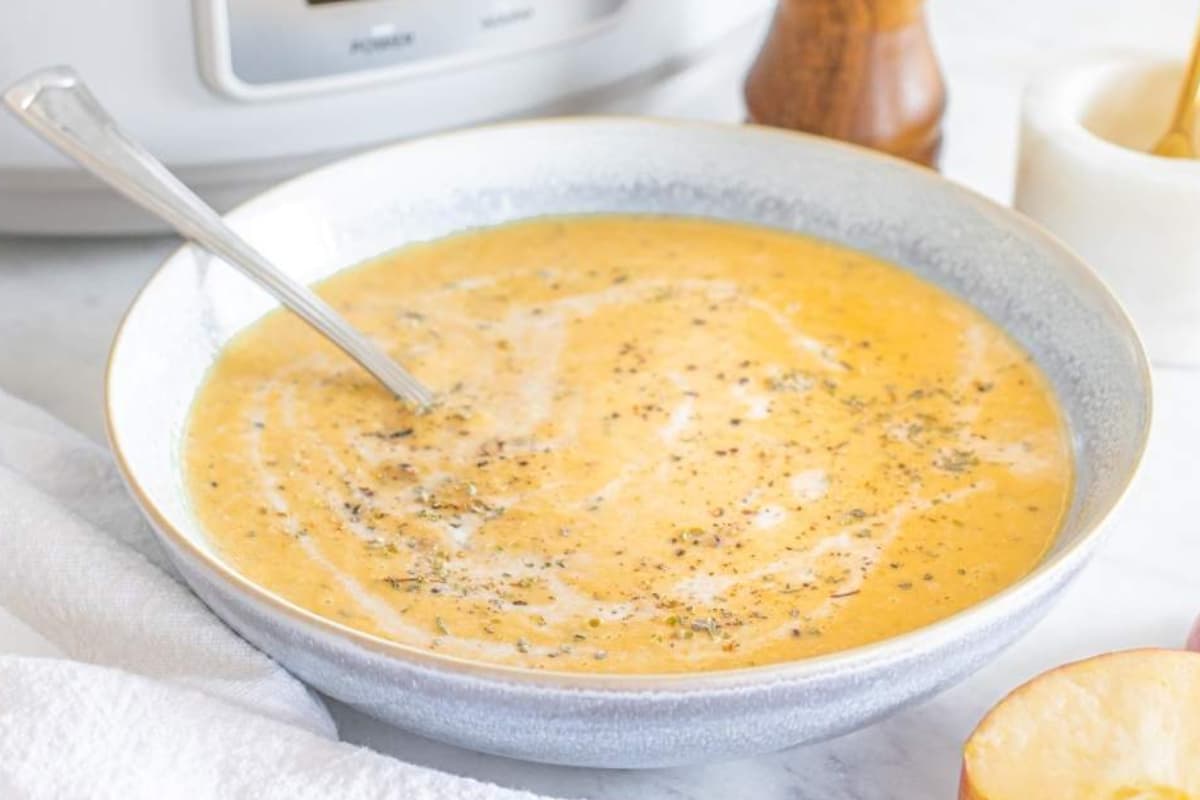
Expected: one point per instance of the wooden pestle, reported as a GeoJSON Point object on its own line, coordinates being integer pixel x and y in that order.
{"type": "Point", "coordinates": [863, 71]}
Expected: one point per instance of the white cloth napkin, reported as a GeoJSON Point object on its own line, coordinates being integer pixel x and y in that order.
{"type": "Point", "coordinates": [154, 697]}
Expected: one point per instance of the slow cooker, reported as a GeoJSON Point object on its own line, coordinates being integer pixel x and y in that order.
{"type": "Point", "coordinates": [237, 94]}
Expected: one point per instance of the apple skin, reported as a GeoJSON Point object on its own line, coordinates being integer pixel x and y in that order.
{"type": "Point", "coordinates": [1193, 642]}
{"type": "Point", "coordinates": [965, 792]}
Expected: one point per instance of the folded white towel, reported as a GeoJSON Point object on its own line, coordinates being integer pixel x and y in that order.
{"type": "Point", "coordinates": [155, 696]}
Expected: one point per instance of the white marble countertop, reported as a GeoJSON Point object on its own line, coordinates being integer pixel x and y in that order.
{"type": "Point", "coordinates": [60, 301]}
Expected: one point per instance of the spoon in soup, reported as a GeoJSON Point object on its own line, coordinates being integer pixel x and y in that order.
{"type": "Point", "coordinates": [56, 104]}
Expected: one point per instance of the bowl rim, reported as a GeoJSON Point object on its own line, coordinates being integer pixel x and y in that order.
{"type": "Point", "coordinates": [1039, 579]}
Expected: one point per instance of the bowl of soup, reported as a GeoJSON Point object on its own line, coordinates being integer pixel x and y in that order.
{"type": "Point", "coordinates": [743, 439]}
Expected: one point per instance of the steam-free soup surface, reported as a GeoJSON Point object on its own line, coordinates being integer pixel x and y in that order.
{"type": "Point", "coordinates": [663, 445]}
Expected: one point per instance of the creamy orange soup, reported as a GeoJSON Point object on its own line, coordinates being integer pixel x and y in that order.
{"type": "Point", "coordinates": [662, 445]}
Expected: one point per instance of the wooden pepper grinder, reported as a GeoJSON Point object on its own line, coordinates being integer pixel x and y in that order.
{"type": "Point", "coordinates": [859, 70]}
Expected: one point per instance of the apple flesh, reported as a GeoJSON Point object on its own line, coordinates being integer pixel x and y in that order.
{"type": "Point", "coordinates": [1123, 725]}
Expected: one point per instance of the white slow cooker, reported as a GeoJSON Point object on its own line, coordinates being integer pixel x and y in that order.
{"type": "Point", "coordinates": [236, 94]}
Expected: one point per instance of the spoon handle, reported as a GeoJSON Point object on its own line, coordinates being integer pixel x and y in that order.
{"type": "Point", "coordinates": [1185, 104]}
{"type": "Point", "coordinates": [56, 103]}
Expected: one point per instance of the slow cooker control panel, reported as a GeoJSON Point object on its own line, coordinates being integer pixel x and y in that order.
{"type": "Point", "coordinates": [266, 48]}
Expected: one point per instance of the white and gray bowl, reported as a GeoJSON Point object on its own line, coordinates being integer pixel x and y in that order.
{"type": "Point", "coordinates": [358, 208]}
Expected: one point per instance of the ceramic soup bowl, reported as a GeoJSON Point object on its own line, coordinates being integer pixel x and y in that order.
{"type": "Point", "coordinates": [356, 209]}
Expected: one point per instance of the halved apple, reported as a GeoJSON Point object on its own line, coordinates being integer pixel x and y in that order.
{"type": "Point", "coordinates": [1122, 726]}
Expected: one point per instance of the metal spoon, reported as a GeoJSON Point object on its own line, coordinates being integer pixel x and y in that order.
{"type": "Point", "coordinates": [56, 103]}
{"type": "Point", "coordinates": [1180, 139]}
